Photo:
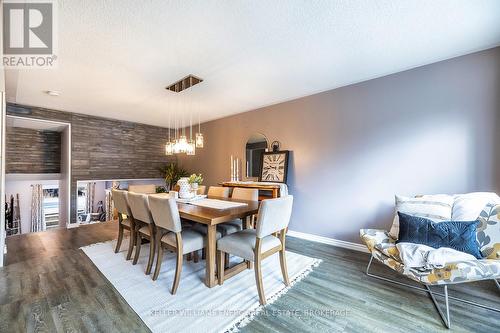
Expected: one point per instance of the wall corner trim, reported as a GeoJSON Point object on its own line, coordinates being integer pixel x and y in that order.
{"type": "Point", "coordinates": [329, 241]}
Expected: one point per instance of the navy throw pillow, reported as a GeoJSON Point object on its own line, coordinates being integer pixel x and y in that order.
{"type": "Point", "coordinates": [457, 235]}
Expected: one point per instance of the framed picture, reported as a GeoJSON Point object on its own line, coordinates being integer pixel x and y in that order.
{"type": "Point", "coordinates": [274, 167]}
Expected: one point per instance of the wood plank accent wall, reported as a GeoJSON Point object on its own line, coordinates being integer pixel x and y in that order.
{"type": "Point", "coordinates": [105, 148]}
{"type": "Point", "coordinates": [32, 151]}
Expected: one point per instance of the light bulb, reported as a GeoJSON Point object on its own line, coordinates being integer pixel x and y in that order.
{"type": "Point", "coordinates": [169, 148]}
{"type": "Point", "coordinates": [199, 140]}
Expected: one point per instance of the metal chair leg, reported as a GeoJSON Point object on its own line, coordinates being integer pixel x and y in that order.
{"type": "Point", "coordinates": [446, 319]}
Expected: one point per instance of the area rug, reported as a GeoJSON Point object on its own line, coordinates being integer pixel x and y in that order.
{"type": "Point", "coordinates": [194, 308]}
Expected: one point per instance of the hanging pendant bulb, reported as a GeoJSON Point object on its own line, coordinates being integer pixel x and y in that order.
{"type": "Point", "coordinates": [168, 146]}
{"type": "Point", "coordinates": [183, 143]}
{"type": "Point", "coordinates": [199, 135]}
{"type": "Point", "coordinates": [199, 140]}
{"type": "Point", "coordinates": [191, 150]}
{"type": "Point", "coordinates": [169, 149]}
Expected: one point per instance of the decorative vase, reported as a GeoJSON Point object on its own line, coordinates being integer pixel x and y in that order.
{"type": "Point", "coordinates": [194, 188]}
{"type": "Point", "coordinates": [185, 188]}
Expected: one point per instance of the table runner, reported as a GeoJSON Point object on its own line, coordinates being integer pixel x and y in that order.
{"type": "Point", "coordinates": [217, 204]}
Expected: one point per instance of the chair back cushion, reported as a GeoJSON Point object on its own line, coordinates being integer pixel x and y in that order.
{"type": "Point", "coordinates": [138, 204]}
{"type": "Point", "coordinates": [457, 235]}
{"type": "Point", "coordinates": [488, 232]}
{"type": "Point", "coordinates": [201, 190]}
{"type": "Point", "coordinates": [146, 189]}
{"type": "Point", "coordinates": [165, 213]}
{"type": "Point", "coordinates": [120, 202]}
{"type": "Point", "coordinates": [274, 215]}
{"type": "Point", "coordinates": [218, 191]}
{"type": "Point", "coordinates": [434, 207]}
{"type": "Point", "coordinates": [245, 194]}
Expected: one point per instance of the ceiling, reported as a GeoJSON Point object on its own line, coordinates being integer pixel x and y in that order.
{"type": "Point", "coordinates": [116, 57]}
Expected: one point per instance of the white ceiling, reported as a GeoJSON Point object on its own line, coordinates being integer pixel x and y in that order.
{"type": "Point", "coordinates": [116, 57]}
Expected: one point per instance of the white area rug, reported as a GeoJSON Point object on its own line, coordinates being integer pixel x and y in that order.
{"type": "Point", "coordinates": [194, 308]}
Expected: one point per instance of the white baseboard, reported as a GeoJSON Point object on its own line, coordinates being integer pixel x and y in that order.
{"type": "Point", "coordinates": [329, 241]}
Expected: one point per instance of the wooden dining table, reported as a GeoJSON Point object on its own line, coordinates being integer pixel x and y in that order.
{"type": "Point", "coordinates": [211, 217]}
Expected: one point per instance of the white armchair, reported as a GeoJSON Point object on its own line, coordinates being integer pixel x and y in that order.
{"type": "Point", "coordinates": [484, 207]}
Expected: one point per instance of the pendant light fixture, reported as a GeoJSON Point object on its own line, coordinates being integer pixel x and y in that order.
{"type": "Point", "coordinates": [180, 143]}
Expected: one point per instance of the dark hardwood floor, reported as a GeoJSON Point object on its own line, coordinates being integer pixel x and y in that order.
{"type": "Point", "coordinates": [49, 285]}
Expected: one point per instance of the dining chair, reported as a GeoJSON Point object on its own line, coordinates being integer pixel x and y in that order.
{"type": "Point", "coordinates": [144, 189]}
{"type": "Point", "coordinates": [144, 228]}
{"type": "Point", "coordinates": [127, 223]}
{"type": "Point", "coordinates": [249, 194]}
{"type": "Point", "coordinates": [257, 244]}
{"type": "Point", "coordinates": [172, 236]}
{"type": "Point", "coordinates": [218, 191]}
{"type": "Point", "coordinates": [227, 228]}
{"type": "Point", "coordinates": [201, 190]}
{"type": "Point", "coordinates": [238, 194]}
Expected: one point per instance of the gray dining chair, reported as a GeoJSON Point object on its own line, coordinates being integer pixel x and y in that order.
{"type": "Point", "coordinates": [144, 228]}
{"type": "Point", "coordinates": [228, 228]}
{"type": "Point", "coordinates": [125, 220]}
{"type": "Point", "coordinates": [249, 194]}
{"type": "Point", "coordinates": [257, 244]}
{"type": "Point", "coordinates": [238, 194]}
{"type": "Point", "coordinates": [201, 190]}
{"type": "Point", "coordinates": [218, 191]}
{"type": "Point", "coordinates": [172, 236]}
{"type": "Point", "coordinates": [223, 193]}
{"type": "Point", "coordinates": [144, 189]}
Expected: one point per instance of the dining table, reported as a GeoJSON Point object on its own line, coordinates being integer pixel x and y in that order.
{"type": "Point", "coordinates": [211, 217]}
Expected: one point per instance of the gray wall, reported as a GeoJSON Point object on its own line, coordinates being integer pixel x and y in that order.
{"type": "Point", "coordinates": [426, 130]}
{"type": "Point", "coordinates": [32, 151]}
{"type": "Point", "coordinates": [104, 148]}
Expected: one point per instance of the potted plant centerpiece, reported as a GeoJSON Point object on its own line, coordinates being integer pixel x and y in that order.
{"type": "Point", "coordinates": [172, 173]}
{"type": "Point", "coordinates": [195, 180]}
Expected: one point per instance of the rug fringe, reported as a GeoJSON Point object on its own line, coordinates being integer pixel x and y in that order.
{"type": "Point", "coordinates": [245, 319]}
{"type": "Point", "coordinates": [104, 242]}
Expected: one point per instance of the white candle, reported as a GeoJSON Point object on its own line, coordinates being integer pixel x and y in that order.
{"type": "Point", "coordinates": [237, 169]}
{"type": "Point", "coordinates": [232, 168]}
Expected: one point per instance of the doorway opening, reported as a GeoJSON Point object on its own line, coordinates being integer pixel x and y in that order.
{"type": "Point", "coordinates": [37, 175]}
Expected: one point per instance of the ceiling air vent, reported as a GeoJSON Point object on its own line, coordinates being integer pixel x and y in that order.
{"type": "Point", "coordinates": [184, 83]}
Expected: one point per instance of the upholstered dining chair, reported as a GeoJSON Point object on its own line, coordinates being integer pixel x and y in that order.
{"type": "Point", "coordinates": [171, 235]}
{"type": "Point", "coordinates": [249, 194]}
{"type": "Point", "coordinates": [144, 189]}
{"type": "Point", "coordinates": [227, 228]}
{"type": "Point", "coordinates": [201, 190]}
{"type": "Point", "coordinates": [144, 228]}
{"type": "Point", "coordinates": [218, 191]}
{"type": "Point", "coordinates": [257, 244]}
{"type": "Point", "coordinates": [233, 226]}
{"type": "Point", "coordinates": [127, 223]}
